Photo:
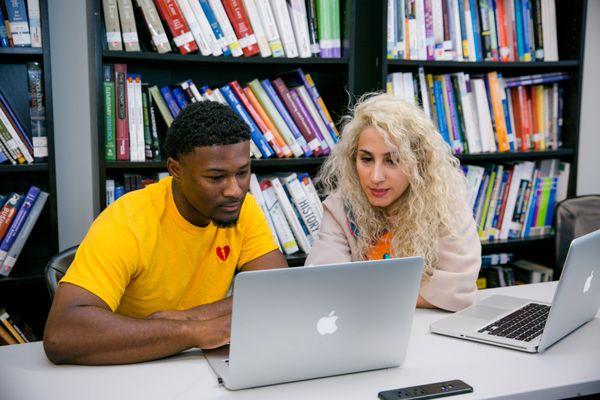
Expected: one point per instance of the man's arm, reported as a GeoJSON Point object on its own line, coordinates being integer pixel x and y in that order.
{"type": "Point", "coordinates": [82, 329]}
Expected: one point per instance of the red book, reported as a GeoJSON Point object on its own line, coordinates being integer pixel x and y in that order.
{"type": "Point", "coordinates": [525, 117]}
{"type": "Point", "coordinates": [121, 118]}
{"type": "Point", "coordinates": [241, 25]}
{"type": "Point", "coordinates": [311, 137]}
{"type": "Point", "coordinates": [239, 92]}
{"type": "Point", "coordinates": [182, 36]}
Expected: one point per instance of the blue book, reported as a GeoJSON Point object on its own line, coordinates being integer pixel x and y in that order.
{"type": "Point", "coordinates": [519, 29]}
{"type": "Point", "coordinates": [525, 15]}
{"type": "Point", "coordinates": [170, 100]}
{"type": "Point", "coordinates": [19, 24]}
{"type": "Point", "coordinates": [463, 26]}
{"type": "Point", "coordinates": [529, 221]}
{"type": "Point", "coordinates": [257, 137]}
{"type": "Point", "coordinates": [3, 34]}
{"type": "Point", "coordinates": [441, 112]}
{"type": "Point", "coordinates": [476, 29]}
{"type": "Point", "coordinates": [180, 98]}
{"type": "Point", "coordinates": [214, 25]}
{"type": "Point", "coordinates": [119, 191]}
{"type": "Point", "coordinates": [268, 87]}
{"type": "Point", "coordinates": [509, 129]}
{"type": "Point", "coordinates": [18, 222]}
{"type": "Point", "coordinates": [2, 157]}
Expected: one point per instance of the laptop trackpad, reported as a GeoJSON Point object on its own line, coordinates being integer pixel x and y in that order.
{"type": "Point", "coordinates": [483, 312]}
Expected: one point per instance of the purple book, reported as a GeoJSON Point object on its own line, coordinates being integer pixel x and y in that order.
{"type": "Point", "coordinates": [311, 122]}
{"type": "Point", "coordinates": [457, 146]}
{"type": "Point", "coordinates": [18, 222]}
{"type": "Point", "coordinates": [167, 94]}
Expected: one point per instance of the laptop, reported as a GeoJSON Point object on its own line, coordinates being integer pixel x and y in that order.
{"type": "Point", "coordinates": [534, 326]}
{"type": "Point", "coordinates": [307, 322]}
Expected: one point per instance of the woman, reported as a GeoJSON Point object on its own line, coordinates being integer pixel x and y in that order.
{"type": "Point", "coordinates": [395, 190]}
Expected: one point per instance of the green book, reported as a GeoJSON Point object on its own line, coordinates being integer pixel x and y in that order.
{"type": "Point", "coordinates": [486, 204]}
{"type": "Point", "coordinates": [110, 149]}
{"type": "Point", "coordinates": [540, 220]}
{"type": "Point", "coordinates": [162, 106]}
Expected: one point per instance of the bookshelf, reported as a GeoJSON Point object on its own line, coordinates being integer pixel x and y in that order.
{"type": "Point", "coordinates": [571, 18]}
{"type": "Point", "coordinates": [335, 79]}
{"type": "Point", "coordinates": [24, 292]}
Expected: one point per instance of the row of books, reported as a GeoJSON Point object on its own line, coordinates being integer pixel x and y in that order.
{"type": "Point", "coordinates": [126, 183]}
{"type": "Point", "coordinates": [472, 30]}
{"type": "Point", "coordinates": [271, 28]}
{"type": "Point", "coordinates": [17, 146]}
{"type": "Point", "coordinates": [504, 271]}
{"type": "Point", "coordinates": [18, 215]}
{"type": "Point", "coordinates": [14, 330]}
{"type": "Point", "coordinates": [516, 200]}
{"type": "Point", "coordinates": [286, 115]}
{"type": "Point", "coordinates": [20, 24]}
{"type": "Point", "coordinates": [487, 112]}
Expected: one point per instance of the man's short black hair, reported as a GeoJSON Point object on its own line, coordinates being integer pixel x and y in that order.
{"type": "Point", "coordinates": [206, 123]}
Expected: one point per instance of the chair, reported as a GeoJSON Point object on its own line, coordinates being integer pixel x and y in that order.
{"type": "Point", "coordinates": [574, 217]}
{"type": "Point", "coordinates": [57, 267]}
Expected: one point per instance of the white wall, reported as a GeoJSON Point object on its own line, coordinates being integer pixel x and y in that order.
{"type": "Point", "coordinates": [71, 48]}
{"type": "Point", "coordinates": [588, 176]}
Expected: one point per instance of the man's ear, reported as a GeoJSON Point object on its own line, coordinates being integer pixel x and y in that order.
{"type": "Point", "coordinates": [174, 168]}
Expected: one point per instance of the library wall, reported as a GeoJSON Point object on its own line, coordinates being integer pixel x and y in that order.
{"type": "Point", "coordinates": [72, 79]}
{"type": "Point", "coordinates": [588, 180]}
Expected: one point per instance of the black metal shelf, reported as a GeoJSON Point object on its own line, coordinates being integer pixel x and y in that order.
{"type": "Point", "coordinates": [23, 167]}
{"type": "Point", "coordinates": [125, 56]}
{"type": "Point", "coordinates": [270, 162]}
{"type": "Point", "coordinates": [21, 279]}
{"type": "Point", "coordinates": [491, 65]}
{"type": "Point", "coordinates": [19, 54]}
{"type": "Point", "coordinates": [525, 155]}
{"type": "Point", "coordinates": [499, 244]}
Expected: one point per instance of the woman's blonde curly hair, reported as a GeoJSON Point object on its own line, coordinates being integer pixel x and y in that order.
{"type": "Point", "coordinates": [437, 186]}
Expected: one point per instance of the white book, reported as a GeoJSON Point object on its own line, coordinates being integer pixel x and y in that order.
{"type": "Point", "coordinates": [282, 228]}
{"type": "Point", "coordinates": [424, 93]}
{"type": "Point", "coordinates": [488, 142]}
{"type": "Point", "coordinates": [469, 115]}
{"type": "Point", "coordinates": [409, 88]}
{"type": "Point", "coordinates": [139, 109]}
{"type": "Point", "coordinates": [131, 120]}
{"type": "Point", "coordinates": [110, 191]}
{"type": "Point", "coordinates": [562, 185]}
{"type": "Point", "coordinates": [311, 193]}
{"type": "Point", "coordinates": [111, 24]}
{"type": "Point", "coordinates": [314, 113]}
{"type": "Point", "coordinates": [522, 173]}
{"type": "Point", "coordinates": [194, 25]}
{"type": "Point", "coordinates": [438, 29]}
{"type": "Point", "coordinates": [297, 10]}
{"type": "Point", "coordinates": [35, 27]}
{"type": "Point", "coordinates": [391, 50]}
{"type": "Point", "coordinates": [474, 178]}
{"type": "Point", "coordinates": [284, 26]}
{"type": "Point", "coordinates": [155, 26]}
{"type": "Point", "coordinates": [304, 206]}
{"type": "Point", "coordinates": [549, 31]}
{"type": "Point", "coordinates": [511, 118]}
{"type": "Point", "coordinates": [258, 195]}
{"type": "Point", "coordinates": [290, 215]}
{"type": "Point", "coordinates": [270, 26]}
{"type": "Point", "coordinates": [421, 38]}
{"type": "Point", "coordinates": [209, 35]}
{"type": "Point", "coordinates": [230, 39]}
{"type": "Point", "coordinates": [197, 95]}
{"type": "Point", "coordinates": [257, 27]}
{"type": "Point", "coordinates": [412, 39]}
{"type": "Point", "coordinates": [553, 143]}
{"type": "Point", "coordinates": [128, 28]}
{"type": "Point", "coordinates": [15, 143]}
{"type": "Point", "coordinates": [398, 85]}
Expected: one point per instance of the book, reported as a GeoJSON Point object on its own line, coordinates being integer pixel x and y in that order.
{"type": "Point", "coordinates": [128, 28]}
{"type": "Point", "coordinates": [18, 23]}
{"type": "Point", "coordinates": [6, 337]}
{"type": "Point", "coordinates": [254, 189]}
{"type": "Point", "coordinates": [194, 25]}
{"type": "Point", "coordinates": [4, 42]}
{"type": "Point", "coordinates": [302, 203]}
{"type": "Point", "coordinates": [148, 154]}
{"type": "Point", "coordinates": [230, 38]}
{"type": "Point", "coordinates": [311, 16]}
{"type": "Point", "coordinates": [182, 36]}
{"type": "Point", "coordinates": [205, 28]}
{"type": "Point", "coordinates": [299, 19]}
{"type": "Point", "coordinates": [530, 272]}
{"type": "Point", "coordinates": [9, 211]}
{"type": "Point", "coordinates": [16, 132]}
{"type": "Point", "coordinates": [284, 26]}
{"type": "Point", "coordinates": [111, 25]}
{"type": "Point", "coordinates": [109, 104]}
{"type": "Point", "coordinates": [282, 228]}
{"type": "Point", "coordinates": [267, 18]}
{"type": "Point", "coordinates": [303, 240]}
{"type": "Point", "coordinates": [328, 27]}
{"type": "Point", "coordinates": [158, 36]}
{"type": "Point", "coordinates": [241, 25]}
{"type": "Point", "coordinates": [121, 112]}
{"type": "Point", "coordinates": [19, 220]}
{"type": "Point", "coordinates": [257, 28]}
{"type": "Point", "coordinates": [17, 246]}
{"type": "Point", "coordinates": [215, 27]}
{"type": "Point", "coordinates": [161, 105]}
{"type": "Point", "coordinates": [311, 193]}
{"type": "Point", "coordinates": [9, 326]}
{"type": "Point", "coordinates": [37, 112]}
{"type": "Point", "coordinates": [35, 26]}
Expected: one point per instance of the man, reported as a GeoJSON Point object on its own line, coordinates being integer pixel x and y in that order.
{"type": "Point", "coordinates": [150, 279]}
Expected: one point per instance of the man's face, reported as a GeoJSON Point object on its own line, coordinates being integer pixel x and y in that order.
{"type": "Point", "coordinates": [215, 180]}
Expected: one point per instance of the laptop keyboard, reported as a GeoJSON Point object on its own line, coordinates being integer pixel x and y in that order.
{"type": "Point", "coordinates": [525, 324]}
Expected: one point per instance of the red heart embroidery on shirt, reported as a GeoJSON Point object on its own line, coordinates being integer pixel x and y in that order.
{"type": "Point", "coordinates": [223, 252]}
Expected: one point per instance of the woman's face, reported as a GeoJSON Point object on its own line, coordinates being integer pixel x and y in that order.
{"type": "Point", "coordinates": [381, 178]}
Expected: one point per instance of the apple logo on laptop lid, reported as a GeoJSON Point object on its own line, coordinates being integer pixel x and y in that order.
{"type": "Point", "coordinates": [588, 282]}
{"type": "Point", "coordinates": [326, 325]}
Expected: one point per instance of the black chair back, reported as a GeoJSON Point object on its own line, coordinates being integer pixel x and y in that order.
{"type": "Point", "coordinates": [57, 268]}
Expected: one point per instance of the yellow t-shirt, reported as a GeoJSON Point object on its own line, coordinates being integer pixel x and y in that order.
{"type": "Point", "coordinates": [141, 256]}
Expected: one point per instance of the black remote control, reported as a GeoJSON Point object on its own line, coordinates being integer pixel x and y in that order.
{"type": "Point", "coordinates": [428, 391]}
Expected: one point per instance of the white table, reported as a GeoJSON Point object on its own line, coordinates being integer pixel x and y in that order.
{"type": "Point", "coordinates": [569, 368]}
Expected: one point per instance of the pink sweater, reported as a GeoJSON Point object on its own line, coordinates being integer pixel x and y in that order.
{"type": "Point", "coordinates": [451, 287]}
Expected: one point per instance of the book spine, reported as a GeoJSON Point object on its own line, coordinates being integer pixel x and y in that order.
{"type": "Point", "coordinates": [194, 25]}
{"type": "Point", "coordinates": [457, 145]}
{"type": "Point", "coordinates": [180, 98]}
{"type": "Point", "coordinates": [17, 223]}
{"type": "Point", "coordinates": [305, 103]}
{"type": "Point", "coordinates": [254, 189]}
{"type": "Point", "coordinates": [20, 141]}
{"type": "Point", "coordinates": [162, 106]}
{"type": "Point", "coordinates": [108, 86]}
{"type": "Point", "coordinates": [147, 132]}
{"type": "Point", "coordinates": [9, 147]}
{"type": "Point", "coordinates": [323, 111]}
{"type": "Point", "coordinates": [241, 25]}
{"type": "Point", "coordinates": [270, 91]}
{"type": "Point", "coordinates": [155, 26]}
{"type": "Point", "coordinates": [37, 112]}
{"type": "Point", "coordinates": [230, 39]}
{"type": "Point", "coordinates": [122, 117]}
{"type": "Point", "coordinates": [311, 16]}
{"type": "Point", "coordinates": [8, 212]}
{"type": "Point", "coordinates": [290, 215]}
{"type": "Point", "coordinates": [132, 118]}
{"type": "Point", "coordinates": [270, 26]}
{"type": "Point", "coordinates": [282, 228]}
{"type": "Point", "coordinates": [207, 32]}
{"type": "Point", "coordinates": [257, 27]}
{"type": "Point", "coordinates": [498, 111]}
{"type": "Point", "coordinates": [215, 27]}
{"type": "Point", "coordinates": [493, 32]}
{"type": "Point", "coordinates": [170, 101]}
{"type": "Point", "coordinates": [258, 139]}
{"type": "Point", "coordinates": [284, 25]}
{"type": "Point", "coordinates": [111, 24]}
{"type": "Point", "coordinates": [19, 243]}
{"type": "Point", "coordinates": [299, 118]}
{"type": "Point", "coordinates": [182, 36]}
{"type": "Point", "coordinates": [311, 193]}
{"type": "Point", "coordinates": [260, 123]}
{"type": "Point", "coordinates": [19, 27]}
{"type": "Point", "coordinates": [35, 27]}
{"type": "Point", "coordinates": [128, 28]}
{"type": "Point", "coordinates": [155, 149]}
{"type": "Point", "coordinates": [4, 42]}
{"type": "Point", "coordinates": [4, 319]}
{"type": "Point", "coordinates": [302, 203]}
{"type": "Point", "coordinates": [298, 16]}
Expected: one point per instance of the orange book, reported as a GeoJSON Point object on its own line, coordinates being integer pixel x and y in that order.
{"type": "Point", "coordinates": [518, 116]}
{"type": "Point", "coordinates": [5, 337]}
{"type": "Point", "coordinates": [498, 111]}
{"type": "Point", "coordinates": [503, 48]}
{"type": "Point", "coordinates": [5, 319]}
{"type": "Point", "coordinates": [540, 129]}
{"type": "Point", "coordinates": [261, 112]}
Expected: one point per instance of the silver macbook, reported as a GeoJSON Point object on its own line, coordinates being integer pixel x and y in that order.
{"type": "Point", "coordinates": [308, 322]}
{"type": "Point", "coordinates": [530, 325]}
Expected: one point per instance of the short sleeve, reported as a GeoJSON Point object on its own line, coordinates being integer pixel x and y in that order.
{"type": "Point", "coordinates": [330, 245]}
{"type": "Point", "coordinates": [106, 261]}
{"type": "Point", "coordinates": [257, 239]}
{"type": "Point", "coordinates": [453, 283]}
